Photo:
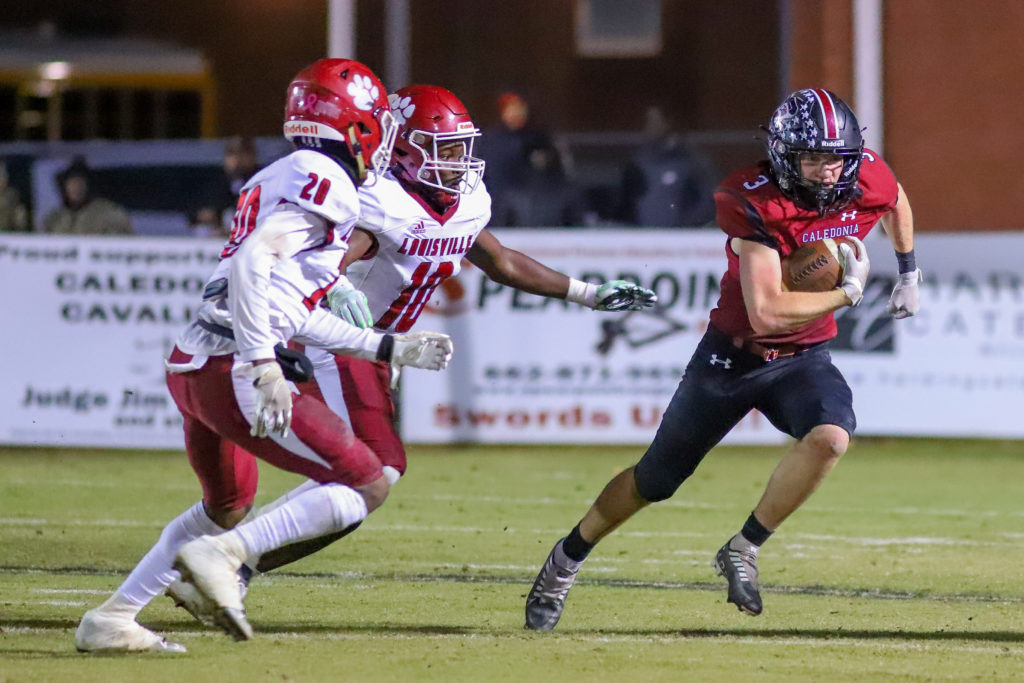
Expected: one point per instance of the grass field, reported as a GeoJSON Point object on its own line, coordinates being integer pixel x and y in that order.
{"type": "Point", "coordinates": [906, 565]}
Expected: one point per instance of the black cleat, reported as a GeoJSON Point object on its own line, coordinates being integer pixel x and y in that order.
{"type": "Point", "coordinates": [739, 567]}
{"type": "Point", "coordinates": [546, 600]}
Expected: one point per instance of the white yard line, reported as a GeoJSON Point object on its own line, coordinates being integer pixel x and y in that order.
{"type": "Point", "coordinates": [906, 644]}
{"type": "Point", "coordinates": [34, 521]}
{"type": "Point", "coordinates": [693, 505]}
{"type": "Point", "coordinates": [790, 541]}
{"type": "Point", "coordinates": [583, 502]}
{"type": "Point", "coordinates": [90, 483]}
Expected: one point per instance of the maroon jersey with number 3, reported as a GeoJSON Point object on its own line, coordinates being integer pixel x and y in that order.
{"type": "Point", "coordinates": [751, 207]}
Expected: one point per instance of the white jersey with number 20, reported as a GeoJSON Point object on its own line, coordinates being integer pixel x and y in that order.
{"type": "Point", "coordinates": [289, 235]}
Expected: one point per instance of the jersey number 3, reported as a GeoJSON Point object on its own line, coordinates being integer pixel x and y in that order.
{"type": "Point", "coordinates": [409, 304]}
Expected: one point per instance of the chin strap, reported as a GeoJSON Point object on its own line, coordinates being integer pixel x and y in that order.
{"type": "Point", "coordinates": [357, 151]}
{"type": "Point", "coordinates": [439, 200]}
{"type": "Point", "coordinates": [445, 199]}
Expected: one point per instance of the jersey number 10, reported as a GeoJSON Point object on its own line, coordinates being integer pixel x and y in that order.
{"type": "Point", "coordinates": [409, 304]}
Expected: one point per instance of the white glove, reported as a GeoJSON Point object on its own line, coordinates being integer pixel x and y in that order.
{"type": "Point", "coordinates": [426, 350]}
{"type": "Point", "coordinates": [855, 269]}
{"type": "Point", "coordinates": [349, 304]}
{"type": "Point", "coordinates": [273, 401]}
{"type": "Point", "coordinates": [906, 298]}
{"type": "Point", "coordinates": [622, 295]}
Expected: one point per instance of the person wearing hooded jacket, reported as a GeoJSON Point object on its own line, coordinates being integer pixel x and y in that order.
{"type": "Point", "coordinates": [81, 212]}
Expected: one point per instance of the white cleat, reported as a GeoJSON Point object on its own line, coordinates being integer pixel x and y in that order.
{"type": "Point", "coordinates": [102, 632]}
{"type": "Point", "coordinates": [187, 596]}
{"type": "Point", "coordinates": [213, 571]}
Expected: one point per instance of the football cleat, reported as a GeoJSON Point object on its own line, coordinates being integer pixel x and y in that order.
{"type": "Point", "coordinates": [546, 600]}
{"type": "Point", "coordinates": [102, 632]}
{"type": "Point", "coordinates": [208, 566]}
{"type": "Point", "coordinates": [187, 596]}
{"type": "Point", "coordinates": [739, 567]}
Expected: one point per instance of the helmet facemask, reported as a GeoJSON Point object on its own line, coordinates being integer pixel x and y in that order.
{"type": "Point", "coordinates": [381, 157]}
{"type": "Point", "coordinates": [810, 194]}
{"type": "Point", "coordinates": [464, 171]}
{"type": "Point", "coordinates": [815, 121]}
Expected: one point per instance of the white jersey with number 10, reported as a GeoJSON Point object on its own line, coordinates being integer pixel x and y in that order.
{"type": "Point", "coordinates": [417, 248]}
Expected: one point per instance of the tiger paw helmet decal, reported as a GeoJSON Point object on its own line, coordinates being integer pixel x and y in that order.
{"type": "Point", "coordinates": [401, 108]}
{"type": "Point", "coordinates": [364, 93]}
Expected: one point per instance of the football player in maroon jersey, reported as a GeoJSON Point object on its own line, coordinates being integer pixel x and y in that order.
{"type": "Point", "coordinates": [766, 348]}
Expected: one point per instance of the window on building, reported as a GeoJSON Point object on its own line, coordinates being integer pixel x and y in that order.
{"type": "Point", "coordinates": [618, 28]}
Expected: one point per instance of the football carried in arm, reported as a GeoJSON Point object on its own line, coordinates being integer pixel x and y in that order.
{"type": "Point", "coordinates": [817, 267]}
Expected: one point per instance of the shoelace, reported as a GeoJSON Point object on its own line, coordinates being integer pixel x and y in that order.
{"type": "Point", "coordinates": [556, 582]}
{"type": "Point", "coordinates": [745, 563]}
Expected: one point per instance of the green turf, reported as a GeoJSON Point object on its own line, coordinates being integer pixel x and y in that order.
{"type": "Point", "coordinates": [904, 566]}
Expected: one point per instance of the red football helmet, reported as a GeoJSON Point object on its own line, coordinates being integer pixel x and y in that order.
{"type": "Point", "coordinates": [343, 101]}
{"type": "Point", "coordinates": [429, 120]}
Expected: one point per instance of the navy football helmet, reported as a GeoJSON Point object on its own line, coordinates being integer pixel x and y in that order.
{"type": "Point", "coordinates": [815, 121]}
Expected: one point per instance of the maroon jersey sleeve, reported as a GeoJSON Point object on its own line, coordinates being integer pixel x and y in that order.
{"type": "Point", "coordinates": [736, 207]}
{"type": "Point", "coordinates": [877, 183]}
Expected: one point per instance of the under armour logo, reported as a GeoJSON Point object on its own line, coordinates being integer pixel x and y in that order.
{"type": "Point", "coordinates": [849, 215]}
{"type": "Point", "coordinates": [725, 362]}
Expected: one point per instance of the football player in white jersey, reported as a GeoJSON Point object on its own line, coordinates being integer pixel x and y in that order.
{"type": "Point", "coordinates": [228, 379]}
{"type": "Point", "coordinates": [417, 223]}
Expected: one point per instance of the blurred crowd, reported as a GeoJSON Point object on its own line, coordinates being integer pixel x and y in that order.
{"type": "Point", "coordinates": [531, 174]}
{"type": "Point", "coordinates": [662, 183]}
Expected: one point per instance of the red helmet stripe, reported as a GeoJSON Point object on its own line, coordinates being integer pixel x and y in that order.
{"type": "Point", "coordinates": [828, 113]}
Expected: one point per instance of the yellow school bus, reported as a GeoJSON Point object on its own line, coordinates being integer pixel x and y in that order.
{"type": "Point", "coordinates": [54, 88]}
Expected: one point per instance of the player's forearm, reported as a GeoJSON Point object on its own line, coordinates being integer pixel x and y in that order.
{"type": "Point", "coordinates": [330, 332]}
{"type": "Point", "coordinates": [788, 311]}
{"type": "Point", "coordinates": [899, 224]}
{"type": "Point", "coordinates": [518, 270]}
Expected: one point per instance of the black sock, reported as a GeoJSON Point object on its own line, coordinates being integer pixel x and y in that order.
{"type": "Point", "coordinates": [754, 531]}
{"type": "Point", "coordinates": [574, 547]}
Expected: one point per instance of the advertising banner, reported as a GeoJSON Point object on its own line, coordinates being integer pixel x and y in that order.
{"type": "Point", "coordinates": [957, 367]}
{"type": "Point", "coordinates": [87, 324]}
{"type": "Point", "coordinates": [532, 370]}
{"type": "Point", "coordinates": [89, 320]}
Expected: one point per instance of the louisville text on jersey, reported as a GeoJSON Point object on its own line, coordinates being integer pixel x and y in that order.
{"type": "Point", "coordinates": [436, 246]}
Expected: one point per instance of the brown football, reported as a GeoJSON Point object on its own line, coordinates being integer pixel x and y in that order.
{"type": "Point", "coordinates": [818, 267]}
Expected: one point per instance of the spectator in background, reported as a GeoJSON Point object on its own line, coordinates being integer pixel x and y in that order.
{"type": "Point", "coordinates": [207, 222]}
{"type": "Point", "coordinates": [506, 148]}
{"type": "Point", "coordinates": [545, 196]}
{"type": "Point", "coordinates": [82, 213]}
{"type": "Point", "coordinates": [13, 215]}
{"type": "Point", "coordinates": [240, 163]}
{"type": "Point", "coordinates": [665, 184]}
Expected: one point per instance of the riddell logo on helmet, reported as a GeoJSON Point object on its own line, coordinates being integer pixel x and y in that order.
{"type": "Point", "coordinates": [833, 143]}
{"type": "Point", "coordinates": [302, 128]}
{"type": "Point", "coordinates": [310, 129]}
{"type": "Point", "coordinates": [464, 126]}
